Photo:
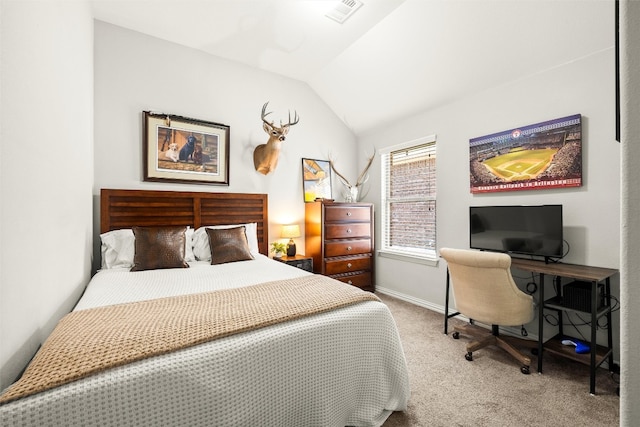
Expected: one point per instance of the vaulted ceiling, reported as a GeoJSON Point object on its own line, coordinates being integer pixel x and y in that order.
{"type": "Point", "coordinates": [392, 58]}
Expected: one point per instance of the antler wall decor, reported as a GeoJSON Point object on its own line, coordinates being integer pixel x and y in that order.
{"type": "Point", "coordinates": [265, 156]}
{"type": "Point", "coordinates": [353, 190]}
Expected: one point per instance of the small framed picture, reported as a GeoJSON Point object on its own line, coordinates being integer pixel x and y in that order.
{"type": "Point", "coordinates": [184, 150]}
{"type": "Point", "coordinates": [316, 179]}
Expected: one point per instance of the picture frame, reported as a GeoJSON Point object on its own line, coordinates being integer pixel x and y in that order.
{"type": "Point", "coordinates": [535, 157]}
{"type": "Point", "coordinates": [185, 150]}
{"type": "Point", "coordinates": [316, 179]}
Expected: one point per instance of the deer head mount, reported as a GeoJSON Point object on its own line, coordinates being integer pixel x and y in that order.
{"type": "Point", "coordinates": [353, 190]}
{"type": "Point", "coordinates": [265, 156]}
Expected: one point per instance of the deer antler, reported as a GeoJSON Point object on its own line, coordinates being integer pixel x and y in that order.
{"type": "Point", "coordinates": [264, 115]}
{"type": "Point", "coordinates": [364, 176]}
{"type": "Point", "coordinates": [344, 180]}
{"type": "Point", "coordinates": [296, 119]}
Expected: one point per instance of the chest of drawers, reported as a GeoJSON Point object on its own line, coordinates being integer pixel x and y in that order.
{"type": "Point", "coordinates": [339, 238]}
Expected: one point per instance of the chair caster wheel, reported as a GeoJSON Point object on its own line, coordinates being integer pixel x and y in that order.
{"type": "Point", "coordinates": [455, 335]}
{"type": "Point", "coordinates": [525, 370]}
{"type": "Point", "coordinates": [468, 356]}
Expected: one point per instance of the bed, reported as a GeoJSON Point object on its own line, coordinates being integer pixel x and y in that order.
{"type": "Point", "coordinates": [337, 366]}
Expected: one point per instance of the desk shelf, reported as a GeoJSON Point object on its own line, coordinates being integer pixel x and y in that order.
{"type": "Point", "coordinates": [594, 275]}
{"type": "Point", "coordinates": [555, 303]}
{"type": "Point", "coordinates": [555, 346]}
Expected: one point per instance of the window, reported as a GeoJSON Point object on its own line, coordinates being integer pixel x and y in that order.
{"type": "Point", "coordinates": [409, 200]}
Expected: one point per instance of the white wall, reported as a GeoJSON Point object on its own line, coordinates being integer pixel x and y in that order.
{"type": "Point", "coordinates": [135, 72]}
{"type": "Point", "coordinates": [630, 201]}
{"type": "Point", "coordinates": [591, 212]}
{"type": "Point", "coordinates": [46, 171]}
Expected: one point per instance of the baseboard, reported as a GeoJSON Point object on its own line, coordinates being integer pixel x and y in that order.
{"type": "Point", "coordinates": [410, 299]}
{"type": "Point", "coordinates": [440, 309]}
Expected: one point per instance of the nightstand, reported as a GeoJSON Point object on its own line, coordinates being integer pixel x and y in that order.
{"type": "Point", "coordinates": [299, 261]}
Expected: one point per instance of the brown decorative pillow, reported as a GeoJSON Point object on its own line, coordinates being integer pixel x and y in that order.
{"type": "Point", "coordinates": [159, 247]}
{"type": "Point", "coordinates": [228, 245]}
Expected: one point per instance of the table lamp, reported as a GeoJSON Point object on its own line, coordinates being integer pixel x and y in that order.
{"type": "Point", "coordinates": [291, 231]}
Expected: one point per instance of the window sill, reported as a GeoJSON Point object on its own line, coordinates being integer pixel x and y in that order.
{"type": "Point", "coordinates": [403, 256]}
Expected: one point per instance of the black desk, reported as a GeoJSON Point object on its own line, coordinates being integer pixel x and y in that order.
{"type": "Point", "coordinates": [595, 275]}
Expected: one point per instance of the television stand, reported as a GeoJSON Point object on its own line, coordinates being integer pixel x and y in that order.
{"type": "Point", "coordinates": [594, 275]}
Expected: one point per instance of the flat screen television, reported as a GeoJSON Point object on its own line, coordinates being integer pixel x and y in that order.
{"type": "Point", "coordinates": [526, 230]}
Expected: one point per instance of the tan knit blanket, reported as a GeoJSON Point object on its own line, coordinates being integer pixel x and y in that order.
{"type": "Point", "coordinates": [89, 341]}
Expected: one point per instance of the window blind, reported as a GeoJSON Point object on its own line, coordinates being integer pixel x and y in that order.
{"type": "Point", "coordinates": [409, 199]}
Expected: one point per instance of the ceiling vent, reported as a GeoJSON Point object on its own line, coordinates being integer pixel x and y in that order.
{"type": "Point", "coordinates": [343, 10]}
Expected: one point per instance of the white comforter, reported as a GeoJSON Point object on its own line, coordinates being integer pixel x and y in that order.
{"type": "Point", "coordinates": [341, 368]}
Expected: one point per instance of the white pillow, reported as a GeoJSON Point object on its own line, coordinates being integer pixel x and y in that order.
{"type": "Point", "coordinates": [201, 249]}
{"type": "Point", "coordinates": [119, 246]}
{"type": "Point", "coordinates": [188, 245]}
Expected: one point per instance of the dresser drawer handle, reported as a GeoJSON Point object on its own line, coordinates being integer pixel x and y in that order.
{"type": "Point", "coordinates": [348, 230]}
{"type": "Point", "coordinates": [349, 248]}
{"type": "Point", "coordinates": [348, 213]}
{"type": "Point", "coordinates": [349, 265]}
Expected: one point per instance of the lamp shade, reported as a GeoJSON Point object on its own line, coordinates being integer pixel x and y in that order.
{"type": "Point", "coordinates": [290, 231]}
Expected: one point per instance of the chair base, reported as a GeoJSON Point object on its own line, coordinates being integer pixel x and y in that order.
{"type": "Point", "coordinates": [484, 338]}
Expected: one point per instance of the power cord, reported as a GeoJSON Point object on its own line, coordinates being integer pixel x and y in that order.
{"type": "Point", "coordinates": [555, 260]}
{"type": "Point", "coordinates": [555, 321]}
{"type": "Point", "coordinates": [575, 326]}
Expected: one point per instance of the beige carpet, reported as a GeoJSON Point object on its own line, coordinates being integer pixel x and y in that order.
{"type": "Point", "coordinates": [447, 390]}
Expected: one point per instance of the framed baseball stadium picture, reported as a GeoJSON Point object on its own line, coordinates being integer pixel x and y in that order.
{"type": "Point", "coordinates": [184, 150]}
{"type": "Point", "coordinates": [534, 157]}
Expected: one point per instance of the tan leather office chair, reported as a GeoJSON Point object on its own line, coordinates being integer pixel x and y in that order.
{"type": "Point", "coordinates": [484, 291]}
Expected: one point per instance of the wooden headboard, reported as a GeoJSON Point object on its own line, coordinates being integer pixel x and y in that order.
{"type": "Point", "coordinates": [128, 208]}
